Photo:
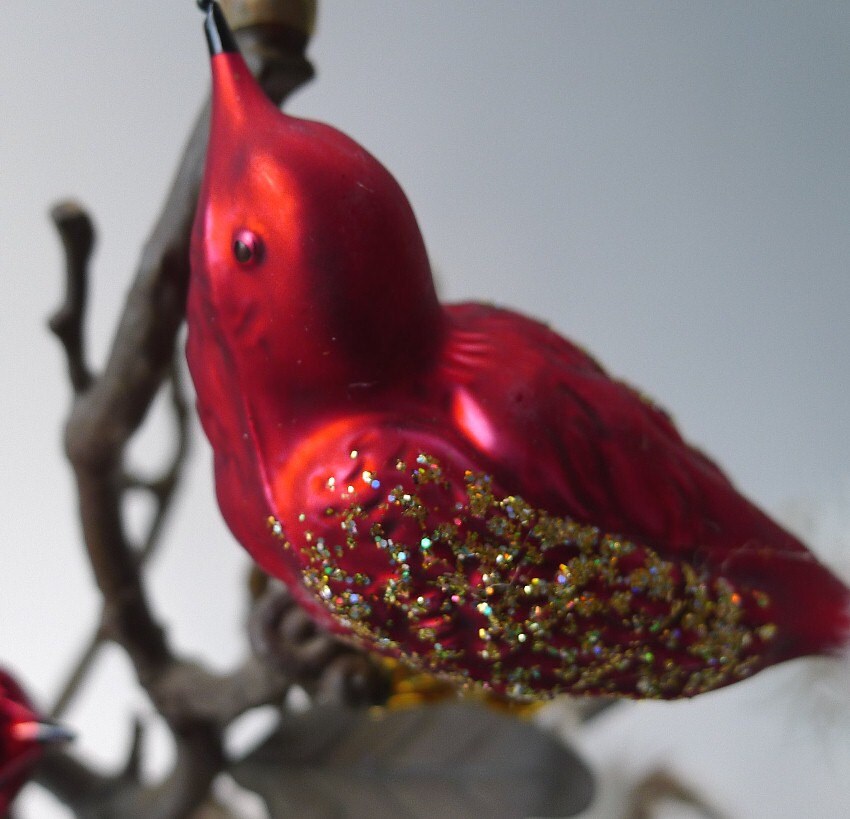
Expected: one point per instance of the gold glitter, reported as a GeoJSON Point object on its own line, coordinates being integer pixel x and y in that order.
{"type": "Point", "coordinates": [767, 632]}
{"type": "Point", "coordinates": [275, 526]}
{"type": "Point", "coordinates": [556, 605]}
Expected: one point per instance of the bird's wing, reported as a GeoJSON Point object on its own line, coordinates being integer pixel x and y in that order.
{"type": "Point", "coordinates": [583, 444]}
{"type": "Point", "coordinates": [537, 526]}
{"type": "Point", "coordinates": [411, 546]}
{"type": "Point", "coordinates": [354, 503]}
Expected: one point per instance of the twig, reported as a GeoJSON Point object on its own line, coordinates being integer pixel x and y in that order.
{"type": "Point", "coordinates": [163, 490]}
{"type": "Point", "coordinates": [67, 323]}
{"type": "Point", "coordinates": [284, 636]}
{"type": "Point", "coordinates": [79, 671]}
{"type": "Point", "coordinates": [659, 786]}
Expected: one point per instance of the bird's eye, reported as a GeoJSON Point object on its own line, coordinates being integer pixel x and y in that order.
{"type": "Point", "coordinates": [247, 248]}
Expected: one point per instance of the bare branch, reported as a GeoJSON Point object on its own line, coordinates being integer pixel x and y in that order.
{"type": "Point", "coordinates": [190, 692]}
{"type": "Point", "coordinates": [659, 786]}
{"type": "Point", "coordinates": [164, 487]}
{"type": "Point", "coordinates": [163, 490]}
{"type": "Point", "coordinates": [71, 781]}
{"type": "Point", "coordinates": [77, 676]}
{"type": "Point", "coordinates": [78, 237]}
{"type": "Point", "coordinates": [285, 637]}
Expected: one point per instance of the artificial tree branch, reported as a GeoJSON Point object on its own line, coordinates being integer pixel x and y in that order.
{"type": "Point", "coordinates": [660, 786]}
{"type": "Point", "coordinates": [163, 490]}
{"type": "Point", "coordinates": [77, 676]}
{"type": "Point", "coordinates": [92, 794]}
{"type": "Point", "coordinates": [73, 782]}
{"type": "Point", "coordinates": [285, 637]}
{"type": "Point", "coordinates": [67, 323]}
{"type": "Point", "coordinates": [164, 487]}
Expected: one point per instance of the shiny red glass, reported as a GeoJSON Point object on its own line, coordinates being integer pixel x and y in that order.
{"type": "Point", "coordinates": [458, 485]}
{"type": "Point", "coordinates": [19, 746]}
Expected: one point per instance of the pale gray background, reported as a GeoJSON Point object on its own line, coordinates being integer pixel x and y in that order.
{"type": "Point", "coordinates": [666, 182]}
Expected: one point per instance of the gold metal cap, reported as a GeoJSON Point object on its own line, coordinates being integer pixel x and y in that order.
{"type": "Point", "coordinates": [297, 14]}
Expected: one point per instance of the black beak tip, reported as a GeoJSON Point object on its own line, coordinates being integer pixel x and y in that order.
{"type": "Point", "coordinates": [53, 734]}
{"type": "Point", "coordinates": [220, 38]}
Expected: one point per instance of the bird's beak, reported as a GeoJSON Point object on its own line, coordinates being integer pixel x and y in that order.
{"type": "Point", "coordinates": [43, 732]}
{"type": "Point", "coordinates": [238, 102]}
{"type": "Point", "coordinates": [220, 38]}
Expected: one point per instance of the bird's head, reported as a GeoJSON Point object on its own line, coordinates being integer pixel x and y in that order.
{"type": "Point", "coordinates": [306, 255]}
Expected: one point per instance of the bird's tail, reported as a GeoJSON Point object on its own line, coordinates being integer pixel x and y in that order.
{"type": "Point", "coordinates": [820, 686]}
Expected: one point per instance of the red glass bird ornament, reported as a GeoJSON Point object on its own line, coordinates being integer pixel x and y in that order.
{"type": "Point", "coordinates": [456, 485]}
{"type": "Point", "coordinates": [22, 737]}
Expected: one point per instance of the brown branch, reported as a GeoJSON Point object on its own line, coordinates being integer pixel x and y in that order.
{"type": "Point", "coordinates": [163, 489]}
{"type": "Point", "coordinates": [165, 486]}
{"type": "Point", "coordinates": [73, 782]}
{"type": "Point", "coordinates": [192, 693]}
{"type": "Point", "coordinates": [67, 323]}
{"type": "Point", "coordinates": [284, 636]}
{"type": "Point", "coordinates": [78, 674]}
{"type": "Point", "coordinates": [662, 786]}
{"type": "Point", "coordinates": [90, 793]}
